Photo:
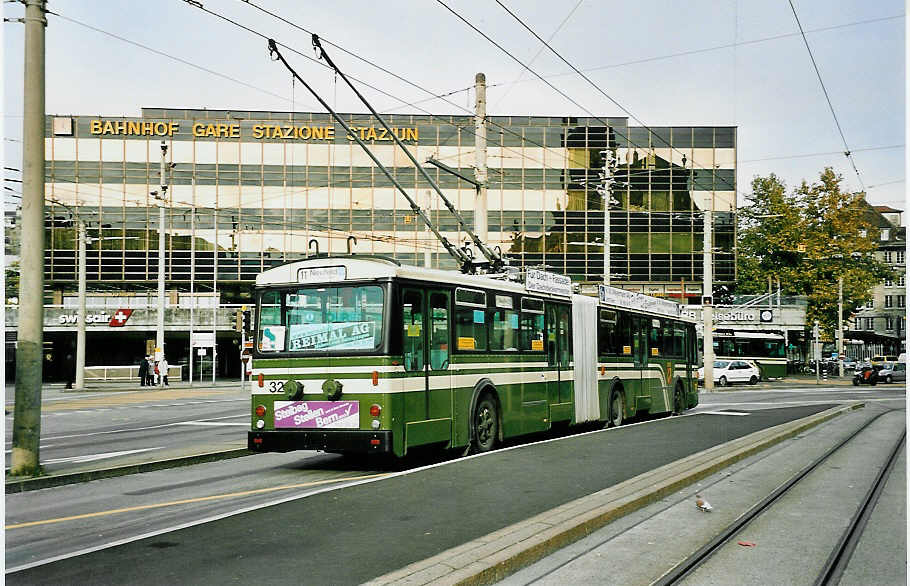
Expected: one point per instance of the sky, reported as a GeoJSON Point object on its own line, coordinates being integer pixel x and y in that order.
{"type": "Point", "coordinates": [664, 63]}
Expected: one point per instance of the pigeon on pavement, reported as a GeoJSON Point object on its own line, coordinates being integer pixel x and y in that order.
{"type": "Point", "coordinates": [702, 504]}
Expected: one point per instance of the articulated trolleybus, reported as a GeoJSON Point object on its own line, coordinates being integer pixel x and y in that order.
{"type": "Point", "coordinates": [364, 355]}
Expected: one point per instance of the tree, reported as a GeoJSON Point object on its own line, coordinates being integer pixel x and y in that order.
{"type": "Point", "coordinates": [12, 281]}
{"type": "Point", "coordinates": [808, 239]}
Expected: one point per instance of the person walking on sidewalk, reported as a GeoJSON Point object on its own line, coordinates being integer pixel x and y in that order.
{"type": "Point", "coordinates": [162, 367]}
{"type": "Point", "coordinates": [144, 371]}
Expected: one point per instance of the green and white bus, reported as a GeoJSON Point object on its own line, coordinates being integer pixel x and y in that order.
{"type": "Point", "coordinates": [364, 355]}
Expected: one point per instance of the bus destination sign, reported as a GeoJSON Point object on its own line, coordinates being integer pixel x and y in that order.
{"type": "Point", "coordinates": [632, 300]}
{"type": "Point", "coordinates": [544, 282]}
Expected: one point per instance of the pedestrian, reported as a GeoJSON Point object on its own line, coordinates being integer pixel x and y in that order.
{"type": "Point", "coordinates": [150, 372]}
{"type": "Point", "coordinates": [162, 366]}
{"type": "Point", "coordinates": [144, 371]}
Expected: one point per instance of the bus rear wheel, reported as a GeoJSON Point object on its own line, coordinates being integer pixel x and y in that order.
{"type": "Point", "coordinates": [486, 424]}
{"type": "Point", "coordinates": [617, 415]}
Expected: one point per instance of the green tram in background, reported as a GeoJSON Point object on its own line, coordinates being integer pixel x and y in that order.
{"type": "Point", "coordinates": [767, 350]}
{"type": "Point", "coordinates": [364, 355]}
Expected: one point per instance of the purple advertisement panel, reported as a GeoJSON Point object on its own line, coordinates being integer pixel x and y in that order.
{"type": "Point", "coordinates": [317, 414]}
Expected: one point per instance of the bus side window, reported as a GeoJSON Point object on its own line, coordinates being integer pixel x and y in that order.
{"type": "Point", "coordinates": [412, 338]}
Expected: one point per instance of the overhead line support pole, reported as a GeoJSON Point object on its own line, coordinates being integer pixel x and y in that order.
{"type": "Point", "coordinates": [24, 459]}
{"type": "Point", "coordinates": [480, 156]}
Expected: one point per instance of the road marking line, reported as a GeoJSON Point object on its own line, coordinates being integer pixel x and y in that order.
{"type": "Point", "coordinates": [192, 500]}
{"type": "Point", "coordinates": [93, 457]}
{"type": "Point", "coordinates": [721, 413]}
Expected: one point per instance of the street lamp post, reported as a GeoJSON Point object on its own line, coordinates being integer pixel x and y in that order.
{"type": "Point", "coordinates": [80, 322]}
{"type": "Point", "coordinates": [162, 200]}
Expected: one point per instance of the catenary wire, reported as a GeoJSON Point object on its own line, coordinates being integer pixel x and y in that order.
{"type": "Point", "coordinates": [818, 74]}
{"type": "Point", "coordinates": [575, 69]}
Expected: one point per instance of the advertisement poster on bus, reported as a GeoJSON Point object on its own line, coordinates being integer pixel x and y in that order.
{"type": "Point", "coordinates": [337, 336]}
{"type": "Point", "coordinates": [317, 414]}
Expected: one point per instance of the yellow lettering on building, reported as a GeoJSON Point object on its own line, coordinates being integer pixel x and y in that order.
{"type": "Point", "coordinates": [371, 133]}
{"type": "Point", "coordinates": [95, 127]}
{"type": "Point", "coordinates": [257, 131]}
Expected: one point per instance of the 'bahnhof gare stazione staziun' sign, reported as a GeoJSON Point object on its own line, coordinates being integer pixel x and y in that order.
{"type": "Point", "coordinates": [258, 131]}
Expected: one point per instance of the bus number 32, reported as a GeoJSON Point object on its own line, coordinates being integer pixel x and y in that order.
{"type": "Point", "coordinates": [276, 386]}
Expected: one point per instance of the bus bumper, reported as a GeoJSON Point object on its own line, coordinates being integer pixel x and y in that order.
{"type": "Point", "coordinates": [351, 441]}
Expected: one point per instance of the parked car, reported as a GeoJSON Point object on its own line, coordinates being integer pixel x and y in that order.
{"type": "Point", "coordinates": [732, 371]}
{"type": "Point", "coordinates": [894, 372]}
{"type": "Point", "coordinates": [849, 364]}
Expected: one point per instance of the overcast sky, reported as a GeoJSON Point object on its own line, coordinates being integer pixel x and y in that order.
{"type": "Point", "coordinates": [699, 63]}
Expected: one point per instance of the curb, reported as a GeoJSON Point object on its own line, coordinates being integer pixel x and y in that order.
{"type": "Point", "coordinates": [493, 557]}
{"type": "Point", "coordinates": [14, 485]}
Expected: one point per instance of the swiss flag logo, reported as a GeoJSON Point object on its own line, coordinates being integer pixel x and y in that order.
{"type": "Point", "coordinates": [120, 317]}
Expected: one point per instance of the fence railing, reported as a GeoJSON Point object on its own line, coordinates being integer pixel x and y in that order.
{"type": "Point", "coordinates": [120, 373]}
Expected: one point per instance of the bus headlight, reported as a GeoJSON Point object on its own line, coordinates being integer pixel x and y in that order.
{"type": "Point", "coordinates": [375, 424]}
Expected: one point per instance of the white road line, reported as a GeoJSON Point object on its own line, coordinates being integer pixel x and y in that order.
{"type": "Point", "coordinates": [94, 457]}
{"type": "Point", "coordinates": [722, 413]}
{"type": "Point", "coordinates": [57, 437]}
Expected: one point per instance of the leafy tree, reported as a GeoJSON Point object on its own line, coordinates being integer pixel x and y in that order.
{"type": "Point", "coordinates": [807, 239]}
{"type": "Point", "coordinates": [12, 280]}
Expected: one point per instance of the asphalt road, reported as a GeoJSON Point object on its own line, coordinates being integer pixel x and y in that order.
{"type": "Point", "coordinates": [110, 428]}
{"type": "Point", "coordinates": [353, 534]}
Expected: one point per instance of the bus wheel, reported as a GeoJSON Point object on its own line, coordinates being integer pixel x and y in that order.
{"type": "Point", "coordinates": [679, 402]}
{"type": "Point", "coordinates": [486, 424]}
{"type": "Point", "coordinates": [617, 415]}
{"type": "Point", "coordinates": [753, 380]}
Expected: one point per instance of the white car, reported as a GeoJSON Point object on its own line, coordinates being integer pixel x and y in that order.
{"type": "Point", "coordinates": [732, 371]}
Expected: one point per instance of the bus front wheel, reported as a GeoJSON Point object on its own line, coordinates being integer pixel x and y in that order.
{"type": "Point", "coordinates": [486, 424]}
{"type": "Point", "coordinates": [617, 415]}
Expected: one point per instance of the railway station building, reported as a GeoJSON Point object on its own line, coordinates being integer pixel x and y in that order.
{"type": "Point", "coordinates": [249, 190]}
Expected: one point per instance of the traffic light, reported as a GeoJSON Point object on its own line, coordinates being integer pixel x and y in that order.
{"type": "Point", "coordinates": [238, 321]}
{"type": "Point", "coordinates": [247, 321]}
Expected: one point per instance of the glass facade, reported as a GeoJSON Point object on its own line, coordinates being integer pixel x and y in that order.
{"type": "Point", "coordinates": [250, 190]}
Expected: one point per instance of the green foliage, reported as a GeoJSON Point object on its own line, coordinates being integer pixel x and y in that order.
{"type": "Point", "coordinates": [12, 280]}
{"type": "Point", "coordinates": [807, 239]}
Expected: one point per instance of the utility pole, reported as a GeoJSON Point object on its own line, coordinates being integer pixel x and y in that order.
{"type": "Point", "coordinates": [30, 335]}
{"type": "Point", "coordinates": [80, 325]}
{"type": "Point", "coordinates": [707, 294]}
{"type": "Point", "coordinates": [480, 156]}
{"type": "Point", "coordinates": [606, 191]}
{"type": "Point", "coordinates": [162, 200]}
{"type": "Point", "coordinates": [840, 326]}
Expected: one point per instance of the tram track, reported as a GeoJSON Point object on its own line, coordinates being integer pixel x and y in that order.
{"type": "Point", "coordinates": [840, 555]}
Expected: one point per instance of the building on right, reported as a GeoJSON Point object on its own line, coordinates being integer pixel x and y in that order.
{"type": "Point", "coordinates": [880, 327]}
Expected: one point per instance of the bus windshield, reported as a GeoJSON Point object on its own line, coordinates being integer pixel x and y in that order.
{"type": "Point", "coordinates": [321, 319]}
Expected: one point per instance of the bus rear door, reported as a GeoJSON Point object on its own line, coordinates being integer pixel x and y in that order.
{"type": "Point", "coordinates": [425, 339]}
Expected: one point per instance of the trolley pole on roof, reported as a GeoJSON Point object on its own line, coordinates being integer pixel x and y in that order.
{"type": "Point", "coordinates": [480, 156]}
